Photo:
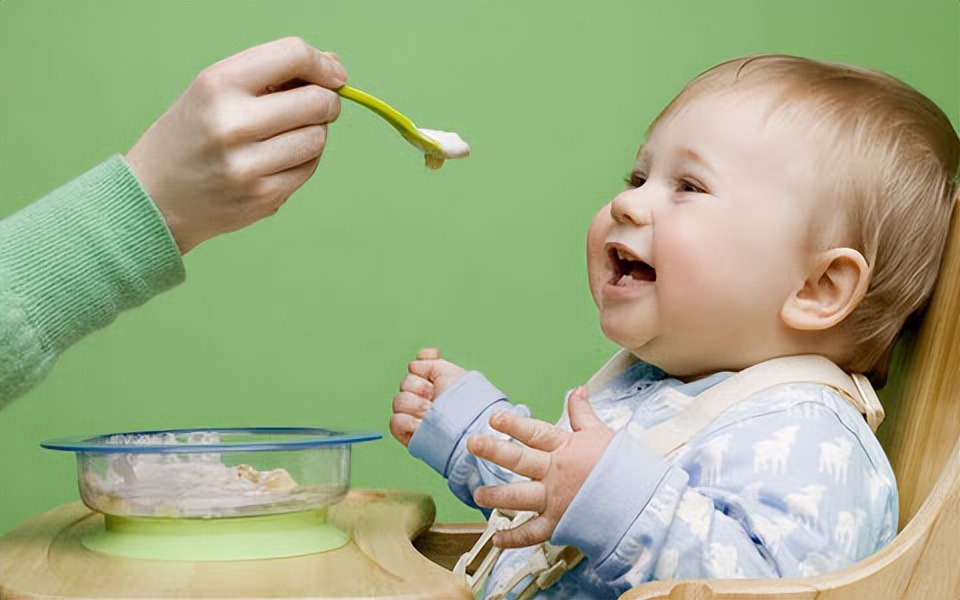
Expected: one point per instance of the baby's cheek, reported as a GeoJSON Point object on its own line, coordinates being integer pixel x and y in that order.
{"type": "Point", "coordinates": [596, 256]}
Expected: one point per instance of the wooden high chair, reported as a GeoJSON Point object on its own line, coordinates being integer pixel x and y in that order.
{"type": "Point", "coordinates": [921, 435]}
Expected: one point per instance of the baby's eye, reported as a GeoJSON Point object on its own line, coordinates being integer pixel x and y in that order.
{"type": "Point", "coordinates": [635, 180]}
{"type": "Point", "coordinates": [687, 186]}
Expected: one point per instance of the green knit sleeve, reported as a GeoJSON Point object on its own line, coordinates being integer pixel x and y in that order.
{"type": "Point", "coordinates": [71, 262]}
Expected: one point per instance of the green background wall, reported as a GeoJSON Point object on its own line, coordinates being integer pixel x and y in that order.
{"type": "Point", "coordinates": [309, 318]}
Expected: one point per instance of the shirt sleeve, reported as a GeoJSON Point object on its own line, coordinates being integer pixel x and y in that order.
{"type": "Point", "coordinates": [71, 262]}
{"type": "Point", "coordinates": [464, 409]}
{"type": "Point", "coordinates": [789, 492]}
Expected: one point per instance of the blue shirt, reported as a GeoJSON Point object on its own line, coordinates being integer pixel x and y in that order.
{"type": "Point", "coordinates": [789, 482]}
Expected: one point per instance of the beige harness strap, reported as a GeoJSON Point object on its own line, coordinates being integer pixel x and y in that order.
{"type": "Point", "coordinates": [616, 364]}
{"type": "Point", "coordinates": [810, 368]}
{"type": "Point", "coordinates": [549, 562]}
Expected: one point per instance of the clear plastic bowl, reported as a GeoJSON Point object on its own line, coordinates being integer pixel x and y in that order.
{"type": "Point", "coordinates": [212, 473]}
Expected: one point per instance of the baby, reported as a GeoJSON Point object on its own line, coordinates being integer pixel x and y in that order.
{"type": "Point", "coordinates": [779, 207]}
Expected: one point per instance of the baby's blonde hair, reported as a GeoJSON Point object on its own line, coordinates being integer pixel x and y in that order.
{"type": "Point", "coordinates": [891, 159]}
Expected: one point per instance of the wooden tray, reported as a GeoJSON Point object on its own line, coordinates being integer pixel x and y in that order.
{"type": "Point", "coordinates": [43, 558]}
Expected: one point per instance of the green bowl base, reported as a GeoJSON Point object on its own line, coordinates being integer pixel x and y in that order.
{"type": "Point", "coordinates": [236, 538]}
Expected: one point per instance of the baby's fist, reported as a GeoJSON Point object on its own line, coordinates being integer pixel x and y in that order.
{"type": "Point", "coordinates": [427, 377]}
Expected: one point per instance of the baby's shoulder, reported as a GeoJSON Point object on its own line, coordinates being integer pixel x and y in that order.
{"type": "Point", "coordinates": [803, 414]}
{"type": "Point", "coordinates": [796, 401]}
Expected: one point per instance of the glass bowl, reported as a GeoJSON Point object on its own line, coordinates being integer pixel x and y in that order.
{"type": "Point", "coordinates": [212, 473]}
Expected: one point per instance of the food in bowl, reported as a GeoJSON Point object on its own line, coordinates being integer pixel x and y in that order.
{"type": "Point", "coordinates": [212, 473]}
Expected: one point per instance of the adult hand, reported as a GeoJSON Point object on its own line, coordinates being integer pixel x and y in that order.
{"type": "Point", "coordinates": [556, 461]}
{"type": "Point", "coordinates": [427, 377]}
{"type": "Point", "coordinates": [240, 140]}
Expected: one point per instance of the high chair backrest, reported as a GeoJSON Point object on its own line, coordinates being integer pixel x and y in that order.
{"type": "Point", "coordinates": [921, 435]}
{"type": "Point", "coordinates": [923, 405]}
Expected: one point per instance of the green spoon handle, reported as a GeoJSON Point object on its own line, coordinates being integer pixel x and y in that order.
{"type": "Point", "coordinates": [392, 116]}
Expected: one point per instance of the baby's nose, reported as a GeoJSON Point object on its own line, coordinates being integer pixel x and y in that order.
{"type": "Point", "coordinates": [629, 208]}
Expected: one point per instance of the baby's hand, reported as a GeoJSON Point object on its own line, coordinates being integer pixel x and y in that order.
{"type": "Point", "coordinates": [556, 461]}
{"type": "Point", "coordinates": [428, 376]}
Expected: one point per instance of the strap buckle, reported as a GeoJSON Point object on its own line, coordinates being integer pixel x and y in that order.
{"type": "Point", "coordinates": [546, 564]}
{"type": "Point", "coordinates": [498, 520]}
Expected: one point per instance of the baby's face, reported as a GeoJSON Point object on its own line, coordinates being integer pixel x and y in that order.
{"type": "Point", "coordinates": [691, 264]}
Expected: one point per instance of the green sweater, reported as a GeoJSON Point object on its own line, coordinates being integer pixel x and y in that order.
{"type": "Point", "coordinates": [71, 262]}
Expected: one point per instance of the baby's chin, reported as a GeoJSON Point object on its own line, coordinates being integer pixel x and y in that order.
{"type": "Point", "coordinates": [648, 351]}
{"type": "Point", "coordinates": [633, 345]}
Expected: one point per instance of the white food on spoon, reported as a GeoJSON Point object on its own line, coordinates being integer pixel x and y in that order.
{"type": "Point", "coordinates": [451, 144]}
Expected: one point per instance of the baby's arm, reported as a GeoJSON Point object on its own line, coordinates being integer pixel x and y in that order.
{"type": "Point", "coordinates": [438, 407]}
{"type": "Point", "coordinates": [787, 492]}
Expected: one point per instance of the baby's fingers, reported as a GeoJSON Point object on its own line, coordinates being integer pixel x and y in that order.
{"type": "Point", "coordinates": [515, 457]}
{"type": "Point", "coordinates": [403, 426]}
{"type": "Point", "coordinates": [428, 354]}
{"type": "Point", "coordinates": [415, 384]}
{"type": "Point", "coordinates": [532, 432]}
{"type": "Point", "coordinates": [519, 495]}
{"type": "Point", "coordinates": [536, 530]}
{"type": "Point", "coordinates": [411, 404]}
{"type": "Point", "coordinates": [439, 372]}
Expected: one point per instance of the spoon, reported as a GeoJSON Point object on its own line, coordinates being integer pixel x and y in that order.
{"type": "Point", "coordinates": [435, 145]}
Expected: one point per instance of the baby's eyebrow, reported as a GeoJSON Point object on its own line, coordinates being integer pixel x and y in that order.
{"type": "Point", "coordinates": [682, 154]}
{"type": "Point", "coordinates": [693, 156]}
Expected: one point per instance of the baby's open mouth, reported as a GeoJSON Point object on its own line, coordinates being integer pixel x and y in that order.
{"type": "Point", "coordinates": [628, 269]}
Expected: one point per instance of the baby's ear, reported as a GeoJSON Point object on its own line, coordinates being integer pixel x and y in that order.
{"type": "Point", "coordinates": [835, 285]}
